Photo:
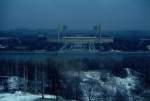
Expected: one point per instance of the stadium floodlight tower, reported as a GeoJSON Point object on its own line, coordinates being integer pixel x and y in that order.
{"type": "Point", "coordinates": [60, 29]}
{"type": "Point", "coordinates": [97, 28]}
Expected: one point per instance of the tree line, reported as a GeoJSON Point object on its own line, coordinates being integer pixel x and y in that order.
{"type": "Point", "coordinates": [48, 77]}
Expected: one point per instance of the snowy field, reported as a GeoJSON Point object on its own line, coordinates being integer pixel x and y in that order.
{"type": "Point", "coordinates": [20, 96]}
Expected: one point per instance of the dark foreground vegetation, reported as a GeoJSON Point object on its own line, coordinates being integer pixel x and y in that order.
{"type": "Point", "coordinates": [50, 77]}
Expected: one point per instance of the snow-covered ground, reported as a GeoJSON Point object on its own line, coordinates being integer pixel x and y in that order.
{"type": "Point", "coordinates": [21, 96]}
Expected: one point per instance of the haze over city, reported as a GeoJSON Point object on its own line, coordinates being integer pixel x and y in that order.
{"type": "Point", "coordinates": [74, 50]}
{"type": "Point", "coordinates": [76, 14]}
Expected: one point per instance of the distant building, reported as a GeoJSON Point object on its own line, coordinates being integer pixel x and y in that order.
{"type": "Point", "coordinates": [82, 39]}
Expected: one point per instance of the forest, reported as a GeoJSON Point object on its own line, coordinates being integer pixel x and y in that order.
{"type": "Point", "coordinates": [64, 78]}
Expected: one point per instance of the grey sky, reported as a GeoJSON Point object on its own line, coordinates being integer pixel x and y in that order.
{"type": "Point", "coordinates": [76, 14]}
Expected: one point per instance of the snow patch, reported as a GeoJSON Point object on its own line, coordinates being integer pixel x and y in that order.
{"type": "Point", "coordinates": [22, 96]}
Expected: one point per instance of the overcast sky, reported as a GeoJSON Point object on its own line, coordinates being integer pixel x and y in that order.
{"type": "Point", "coordinates": [76, 14]}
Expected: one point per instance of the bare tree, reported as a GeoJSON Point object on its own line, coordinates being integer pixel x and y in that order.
{"type": "Point", "coordinates": [25, 76]}
{"type": "Point", "coordinates": [35, 78]}
{"type": "Point", "coordinates": [91, 90]}
{"type": "Point", "coordinates": [42, 68]}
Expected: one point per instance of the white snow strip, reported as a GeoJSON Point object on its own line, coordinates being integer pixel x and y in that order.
{"type": "Point", "coordinates": [20, 96]}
